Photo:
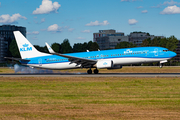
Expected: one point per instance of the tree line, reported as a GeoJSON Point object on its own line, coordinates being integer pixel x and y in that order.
{"type": "Point", "coordinates": [63, 47]}
{"type": "Point", "coordinates": [169, 43]}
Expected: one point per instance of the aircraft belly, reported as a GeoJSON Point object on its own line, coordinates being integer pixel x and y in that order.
{"type": "Point", "coordinates": [121, 61]}
{"type": "Point", "coordinates": [116, 61]}
{"type": "Point", "coordinates": [55, 66]}
{"type": "Point", "coordinates": [66, 65]}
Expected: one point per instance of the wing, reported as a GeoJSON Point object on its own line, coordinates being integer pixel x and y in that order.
{"type": "Point", "coordinates": [79, 61]}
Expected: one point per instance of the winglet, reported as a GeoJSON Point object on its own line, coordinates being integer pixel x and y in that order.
{"type": "Point", "coordinates": [49, 48]}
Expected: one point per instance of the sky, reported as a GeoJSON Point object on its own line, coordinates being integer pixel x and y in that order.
{"type": "Point", "coordinates": [76, 20]}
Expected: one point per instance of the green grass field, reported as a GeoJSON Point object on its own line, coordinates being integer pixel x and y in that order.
{"type": "Point", "coordinates": [123, 70]}
{"type": "Point", "coordinates": [89, 98]}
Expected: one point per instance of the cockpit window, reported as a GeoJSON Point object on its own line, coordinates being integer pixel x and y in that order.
{"type": "Point", "coordinates": [165, 50]}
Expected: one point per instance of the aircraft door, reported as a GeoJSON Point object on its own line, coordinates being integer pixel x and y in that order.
{"type": "Point", "coordinates": [40, 62]}
{"type": "Point", "coordinates": [155, 52]}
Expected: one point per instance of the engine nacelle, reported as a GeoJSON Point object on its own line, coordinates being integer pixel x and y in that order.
{"type": "Point", "coordinates": [115, 67]}
{"type": "Point", "coordinates": [104, 64]}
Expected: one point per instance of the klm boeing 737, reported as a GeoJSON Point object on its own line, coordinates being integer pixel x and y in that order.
{"type": "Point", "coordinates": [104, 59]}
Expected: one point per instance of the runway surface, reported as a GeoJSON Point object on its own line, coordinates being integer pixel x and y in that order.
{"type": "Point", "coordinates": [92, 75]}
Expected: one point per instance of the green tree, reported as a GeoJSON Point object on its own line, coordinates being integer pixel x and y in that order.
{"type": "Point", "coordinates": [155, 41]}
{"type": "Point", "coordinates": [89, 45]}
{"type": "Point", "coordinates": [148, 34]}
{"type": "Point", "coordinates": [84, 46]}
{"type": "Point", "coordinates": [94, 46]}
{"type": "Point", "coordinates": [124, 44]}
{"type": "Point", "coordinates": [66, 47]}
{"type": "Point", "coordinates": [172, 43]}
{"type": "Point", "coordinates": [163, 42]}
{"type": "Point", "coordinates": [41, 49]}
{"type": "Point", "coordinates": [56, 47]}
{"type": "Point", "coordinates": [146, 42]}
{"type": "Point", "coordinates": [13, 49]}
{"type": "Point", "coordinates": [45, 49]}
{"type": "Point", "coordinates": [78, 47]}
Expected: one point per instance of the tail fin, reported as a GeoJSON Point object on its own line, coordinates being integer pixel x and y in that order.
{"type": "Point", "coordinates": [26, 49]}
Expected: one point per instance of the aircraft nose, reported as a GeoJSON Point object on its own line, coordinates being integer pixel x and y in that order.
{"type": "Point", "coordinates": [173, 54]}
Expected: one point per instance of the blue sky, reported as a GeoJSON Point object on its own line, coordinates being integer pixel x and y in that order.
{"type": "Point", "coordinates": [55, 20]}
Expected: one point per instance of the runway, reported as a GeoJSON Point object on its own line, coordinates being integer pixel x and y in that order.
{"type": "Point", "coordinates": [92, 75]}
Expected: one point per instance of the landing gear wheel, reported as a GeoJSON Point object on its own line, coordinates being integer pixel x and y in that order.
{"type": "Point", "coordinates": [161, 65]}
{"type": "Point", "coordinates": [96, 71]}
{"type": "Point", "coordinates": [89, 71]}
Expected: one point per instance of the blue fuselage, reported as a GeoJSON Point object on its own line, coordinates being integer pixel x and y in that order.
{"type": "Point", "coordinates": [118, 56]}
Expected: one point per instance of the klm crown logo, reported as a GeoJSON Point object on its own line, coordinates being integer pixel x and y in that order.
{"type": "Point", "coordinates": [105, 63]}
{"type": "Point", "coordinates": [25, 48]}
{"type": "Point", "coordinates": [128, 51]}
{"type": "Point", "coordinates": [25, 45]}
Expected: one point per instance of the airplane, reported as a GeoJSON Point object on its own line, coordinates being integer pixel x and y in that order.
{"type": "Point", "coordinates": [103, 59]}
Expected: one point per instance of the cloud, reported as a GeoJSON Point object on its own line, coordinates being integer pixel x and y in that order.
{"type": "Point", "coordinates": [47, 7]}
{"type": "Point", "coordinates": [171, 10]}
{"type": "Point", "coordinates": [80, 38]}
{"type": "Point", "coordinates": [158, 6]}
{"type": "Point", "coordinates": [144, 11]}
{"type": "Point", "coordinates": [97, 23]}
{"type": "Point", "coordinates": [7, 19]}
{"type": "Point", "coordinates": [167, 3]}
{"type": "Point", "coordinates": [170, 3]}
{"type": "Point", "coordinates": [33, 33]}
{"type": "Point", "coordinates": [34, 38]}
{"type": "Point", "coordinates": [130, 0]}
{"type": "Point", "coordinates": [70, 29]}
{"type": "Point", "coordinates": [54, 28]}
{"type": "Point", "coordinates": [119, 30]}
{"type": "Point", "coordinates": [139, 7]}
{"type": "Point", "coordinates": [132, 21]}
{"type": "Point", "coordinates": [42, 20]}
{"type": "Point", "coordinates": [86, 31]}
{"type": "Point", "coordinates": [125, 0]}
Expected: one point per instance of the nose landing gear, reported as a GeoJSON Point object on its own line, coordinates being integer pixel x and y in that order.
{"type": "Point", "coordinates": [161, 65]}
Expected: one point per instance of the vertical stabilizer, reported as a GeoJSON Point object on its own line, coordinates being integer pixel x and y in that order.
{"type": "Point", "coordinates": [26, 49]}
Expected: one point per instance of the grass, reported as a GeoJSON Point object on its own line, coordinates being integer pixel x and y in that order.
{"type": "Point", "coordinates": [87, 98]}
{"type": "Point", "coordinates": [123, 70]}
{"type": "Point", "coordinates": [6, 70]}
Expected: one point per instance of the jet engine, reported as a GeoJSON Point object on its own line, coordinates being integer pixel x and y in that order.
{"type": "Point", "coordinates": [104, 64]}
{"type": "Point", "coordinates": [115, 67]}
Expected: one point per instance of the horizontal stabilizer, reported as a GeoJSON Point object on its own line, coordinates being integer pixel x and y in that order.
{"type": "Point", "coordinates": [17, 59]}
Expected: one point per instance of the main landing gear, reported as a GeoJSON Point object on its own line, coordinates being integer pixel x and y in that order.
{"type": "Point", "coordinates": [160, 65]}
{"type": "Point", "coordinates": [89, 71]}
{"type": "Point", "coordinates": [96, 71]}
